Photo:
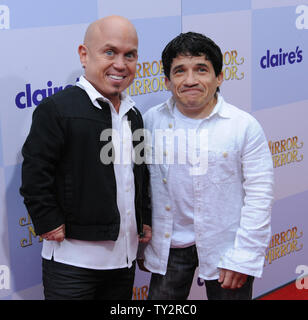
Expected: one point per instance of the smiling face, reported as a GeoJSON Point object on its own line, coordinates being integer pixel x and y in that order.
{"type": "Point", "coordinates": [109, 56]}
{"type": "Point", "coordinates": [193, 84]}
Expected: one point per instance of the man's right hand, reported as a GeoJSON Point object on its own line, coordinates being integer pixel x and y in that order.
{"type": "Point", "coordinates": [57, 234]}
{"type": "Point", "coordinates": [141, 265]}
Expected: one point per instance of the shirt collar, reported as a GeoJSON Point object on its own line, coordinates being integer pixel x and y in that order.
{"type": "Point", "coordinates": [126, 101]}
{"type": "Point", "coordinates": [220, 108]}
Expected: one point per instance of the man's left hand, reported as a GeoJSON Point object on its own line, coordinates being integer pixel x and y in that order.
{"type": "Point", "coordinates": [231, 279]}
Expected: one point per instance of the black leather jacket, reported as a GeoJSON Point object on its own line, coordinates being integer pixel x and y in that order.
{"type": "Point", "coordinates": [63, 178]}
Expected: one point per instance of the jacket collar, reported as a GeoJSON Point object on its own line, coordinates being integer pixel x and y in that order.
{"type": "Point", "coordinates": [126, 102]}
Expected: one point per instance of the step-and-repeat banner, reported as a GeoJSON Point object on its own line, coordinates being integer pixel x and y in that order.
{"type": "Point", "coordinates": [265, 51]}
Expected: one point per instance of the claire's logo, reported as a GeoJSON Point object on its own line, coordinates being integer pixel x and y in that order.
{"type": "Point", "coordinates": [31, 97]}
{"type": "Point", "coordinates": [281, 58]}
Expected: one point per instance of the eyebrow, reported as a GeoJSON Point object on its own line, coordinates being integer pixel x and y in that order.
{"type": "Point", "coordinates": [202, 65]}
{"type": "Point", "coordinates": [177, 67]}
{"type": "Point", "coordinates": [112, 47]}
{"type": "Point", "coordinates": [180, 66]}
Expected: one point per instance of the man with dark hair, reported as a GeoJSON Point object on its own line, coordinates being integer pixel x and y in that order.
{"type": "Point", "coordinates": [89, 208]}
{"type": "Point", "coordinates": [211, 210]}
{"type": "Point", "coordinates": [192, 44]}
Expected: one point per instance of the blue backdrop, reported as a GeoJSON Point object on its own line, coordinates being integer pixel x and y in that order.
{"type": "Point", "coordinates": [265, 47]}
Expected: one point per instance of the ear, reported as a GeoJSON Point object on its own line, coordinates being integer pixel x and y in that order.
{"type": "Point", "coordinates": [220, 79]}
{"type": "Point", "coordinates": [83, 53]}
{"type": "Point", "coordinates": [167, 83]}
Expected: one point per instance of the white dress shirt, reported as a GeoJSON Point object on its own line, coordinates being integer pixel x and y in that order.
{"type": "Point", "coordinates": [231, 201]}
{"type": "Point", "coordinates": [182, 200]}
{"type": "Point", "coordinates": [107, 254]}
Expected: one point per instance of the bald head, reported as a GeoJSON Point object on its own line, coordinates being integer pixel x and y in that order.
{"type": "Point", "coordinates": [106, 25]}
{"type": "Point", "coordinates": [109, 56]}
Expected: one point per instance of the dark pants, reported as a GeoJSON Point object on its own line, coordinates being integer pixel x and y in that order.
{"type": "Point", "coordinates": [176, 284]}
{"type": "Point", "coordinates": [65, 282]}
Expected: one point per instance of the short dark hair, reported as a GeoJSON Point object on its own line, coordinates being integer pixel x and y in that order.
{"type": "Point", "coordinates": [194, 44]}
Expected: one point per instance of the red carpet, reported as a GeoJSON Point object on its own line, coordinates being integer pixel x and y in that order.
{"type": "Point", "coordinates": [287, 292]}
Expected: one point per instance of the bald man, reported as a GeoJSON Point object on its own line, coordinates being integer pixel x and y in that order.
{"type": "Point", "coordinates": [81, 188]}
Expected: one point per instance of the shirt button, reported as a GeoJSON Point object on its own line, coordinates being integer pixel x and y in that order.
{"type": "Point", "coordinates": [167, 235]}
{"type": "Point", "coordinates": [165, 153]}
{"type": "Point", "coordinates": [170, 125]}
{"type": "Point", "coordinates": [225, 154]}
{"type": "Point", "coordinates": [164, 180]}
{"type": "Point", "coordinates": [167, 208]}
